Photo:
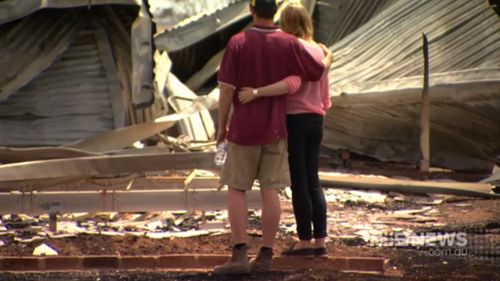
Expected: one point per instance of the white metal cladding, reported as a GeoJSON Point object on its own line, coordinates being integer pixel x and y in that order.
{"type": "Point", "coordinates": [70, 100]}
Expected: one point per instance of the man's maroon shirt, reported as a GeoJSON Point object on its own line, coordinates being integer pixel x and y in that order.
{"type": "Point", "coordinates": [255, 58]}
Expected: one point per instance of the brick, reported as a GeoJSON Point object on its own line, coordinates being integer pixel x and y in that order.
{"type": "Point", "coordinates": [25, 264]}
{"type": "Point", "coordinates": [100, 262]}
{"type": "Point", "coordinates": [60, 263]}
{"type": "Point", "coordinates": [191, 261]}
{"type": "Point", "coordinates": [366, 264]}
{"type": "Point", "coordinates": [291, 263]}
{"type": "Point", "coordinates": [138, 262]}
{"type": "Point", "coordinates": [185, 262]}
{"type": "Point", "coordinates": [338, 264]}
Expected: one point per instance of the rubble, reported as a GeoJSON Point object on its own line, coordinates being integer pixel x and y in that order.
{"type": "Point", "coordinates": [44, 250]}
{"type": "Point", "coordinates": [378, 214]}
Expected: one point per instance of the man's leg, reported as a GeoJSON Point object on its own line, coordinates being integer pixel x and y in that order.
{"type": "Point", "coordinates": [271, 213]}
{"type": "Point", "coordinates": [239, 173]}
{"type": "Point", "coordinates": [273, 175]}
{"type": "Point", "coordinates": [238, 215]}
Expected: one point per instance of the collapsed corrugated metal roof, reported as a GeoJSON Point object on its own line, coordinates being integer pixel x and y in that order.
{"type": "Point", "coordinates": [177, 13]}
{"type": "Point", "coordinates": [13, 9]}
{"type": "Point", "coordinates": [58, 106]}
{"type": "Point", "coordinates": [31, 45]}
{"type": "Point", "coordinates": [202, 25]}
{"type": "Point", "coordinates": [335, 19]}
{"type": "Point", "coordinates": [376, 82]}
{"type": "Point", "coordinates": [376, 76]}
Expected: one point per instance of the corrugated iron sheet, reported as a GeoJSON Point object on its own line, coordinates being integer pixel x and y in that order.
{"type": "Point", "coordinates": [169, 14]}
{"type": "Point", "coordinates": [23, 54]}
{"type": "Point", "coordinates": [463, 34]}
{"type": "Point", "coordinates": [71, 100]}
{"type": "Point", "coordinates": [376, 82]}
{"type": "Point", "coordinates": [14, 9]}
{"type": "Point", "coordinates": [201, 26]}
{"type": "Point", "coordinates": [335, 19]}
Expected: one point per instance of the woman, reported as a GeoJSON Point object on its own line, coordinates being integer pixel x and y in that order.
{"type": "Point", "coordinates": [306, 107]}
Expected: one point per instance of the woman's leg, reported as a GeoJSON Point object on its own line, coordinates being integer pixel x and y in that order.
{"type": "Point", "coordinates": [302, 205]}
{"type": "Point", "coordinates": [319, 207]}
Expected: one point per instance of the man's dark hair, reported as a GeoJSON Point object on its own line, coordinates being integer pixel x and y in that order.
{"type": "Point", "coordinates": [265, 9]}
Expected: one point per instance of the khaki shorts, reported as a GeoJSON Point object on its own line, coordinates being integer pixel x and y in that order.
{"type": "Point", "coordinates": [267, 163]}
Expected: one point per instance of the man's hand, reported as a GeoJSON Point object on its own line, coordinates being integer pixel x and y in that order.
{"type": "Point", "coordinates": [221, 134]}
{"type": "Point", "coordinates": [246, 95]}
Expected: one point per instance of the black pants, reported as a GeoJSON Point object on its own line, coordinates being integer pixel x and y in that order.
{"type": "Point", "coordinates": [305, 132]}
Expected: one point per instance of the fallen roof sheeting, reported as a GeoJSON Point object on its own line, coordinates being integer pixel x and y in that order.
{"type": "Point", "coordinates": [195, 31]}
{"type": "Point", "coordinates": [124, 137]}
{"type": "Point", "coordinates": [411, 186]}
{"type": "Point", "coordinates": [14, 155]}
{"type": "Point", "coordinates": [14, 9]}
{"type": "Point", "coordinates": [104, 165]}
{"type": "Point", "coordinates": [335, 19]}
{"type": "Point", "coordinates": [55, 106]}
{"type": "Point", "coordinates": [375, 91]}
{"type": "Point", "coordinates": [171, 14]}
{"type": "Point", "coordinates": [493, 179]}
{"type": "Point", "coordinates": [31, 45]}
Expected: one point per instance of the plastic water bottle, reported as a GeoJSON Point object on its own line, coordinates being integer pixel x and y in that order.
{"type": "Point", "coordinates": [220, 154]}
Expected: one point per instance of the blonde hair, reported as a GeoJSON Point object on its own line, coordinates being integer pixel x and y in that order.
{"type": "Point", "coordinates": [295, 19]}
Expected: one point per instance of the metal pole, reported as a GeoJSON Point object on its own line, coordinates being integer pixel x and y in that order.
{"type": "Point", "coordinates": [425, 112]}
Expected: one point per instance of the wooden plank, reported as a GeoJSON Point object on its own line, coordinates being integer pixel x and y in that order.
{"type": "Point", "coordinates": [456, 188]}
{"type": "Point", "coordinates": [105, 165]}
{"type": "Point", "coordinates": [118, 201]}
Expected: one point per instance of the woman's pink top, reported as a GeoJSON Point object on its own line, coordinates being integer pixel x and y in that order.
{"type": "Point", "coordinates": [311, 97]}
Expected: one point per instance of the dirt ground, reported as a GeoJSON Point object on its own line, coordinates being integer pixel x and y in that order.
{"type": "Point", "coordinates": [478, 218]}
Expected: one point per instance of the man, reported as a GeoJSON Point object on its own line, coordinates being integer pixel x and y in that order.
{"type": "Point", "coordinates": [257, 132]}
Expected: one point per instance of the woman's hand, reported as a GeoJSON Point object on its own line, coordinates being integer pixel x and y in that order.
{"type": "Point", "coordinates": [328, 59]}
{"type": "Point", "coordinates": [246, 95]}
